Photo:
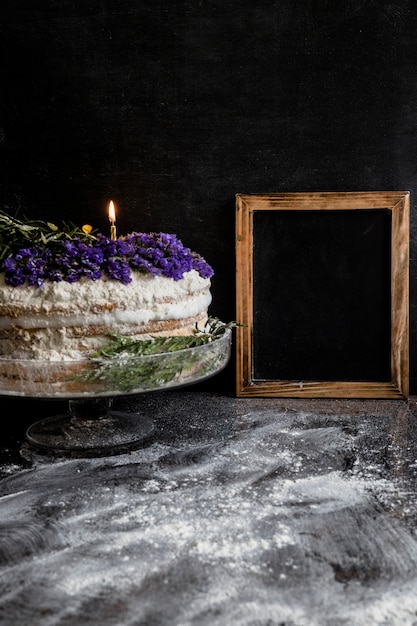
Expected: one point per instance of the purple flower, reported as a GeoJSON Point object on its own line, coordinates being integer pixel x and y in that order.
{"type": "Point", "coordinates": [159, 254]}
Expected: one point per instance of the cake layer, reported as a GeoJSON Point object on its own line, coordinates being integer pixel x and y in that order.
{"type": "Point", "coordinates": [150, 297]}
{"type": "Point", "coordinates": [75, 342]}
{"type": "Point", "coordinates": [64, 321]}
{"type": "Point", "coordinates": [86, 378]}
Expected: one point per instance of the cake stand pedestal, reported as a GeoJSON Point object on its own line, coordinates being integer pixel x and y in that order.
{"type": "Point", "coordinates": [91, 427]}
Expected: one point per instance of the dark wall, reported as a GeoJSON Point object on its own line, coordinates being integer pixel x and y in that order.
{"type": "Point", "coordinates": [171, 107]}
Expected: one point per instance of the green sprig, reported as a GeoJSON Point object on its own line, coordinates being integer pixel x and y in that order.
{"type": "Point", "coordinates": [122, 346]}
{"type": "Point", "coordinates": [17, 233]}
{"type": "Point", "coordinates": [115, 367]}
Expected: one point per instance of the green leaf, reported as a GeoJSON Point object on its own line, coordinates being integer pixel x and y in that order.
{"type": "Point", "coordinates": [15, 233]}
{"type": "Point", "coordinates": [109, 363]}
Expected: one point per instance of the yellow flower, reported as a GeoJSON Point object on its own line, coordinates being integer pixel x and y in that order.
{"type": "Point", "coordinates": [87, 229]}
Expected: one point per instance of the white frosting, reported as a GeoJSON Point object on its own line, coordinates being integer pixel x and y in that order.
{"type": "Point", "coordinates": [104, 301]}
{"type": "Point", "coordinates": [53, 322]}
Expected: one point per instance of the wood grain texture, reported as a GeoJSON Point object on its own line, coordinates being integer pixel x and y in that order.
{"type": "Point", "coordinates": [397, 203]}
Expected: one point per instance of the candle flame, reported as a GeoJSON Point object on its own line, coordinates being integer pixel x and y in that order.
{"type": "Point", "coordinates": [112, 212]}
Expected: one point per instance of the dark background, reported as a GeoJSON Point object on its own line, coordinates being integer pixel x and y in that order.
{"type": "Point", "coordinates": [171, 107]}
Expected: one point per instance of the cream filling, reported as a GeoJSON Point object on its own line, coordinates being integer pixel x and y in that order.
{"type": "Point", "coordinates": [42, 316]}
{"type": "Point", "coordinates": [188, 307]}
{"type": "Point", "coordinates": [92, 297]}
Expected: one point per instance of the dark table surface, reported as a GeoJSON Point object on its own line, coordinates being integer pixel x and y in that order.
{"type": "Point", "coordinates": [246, 512]}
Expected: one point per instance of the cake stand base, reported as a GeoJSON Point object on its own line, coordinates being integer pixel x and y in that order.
{"type": "Point", "coordinates": [90, 428]}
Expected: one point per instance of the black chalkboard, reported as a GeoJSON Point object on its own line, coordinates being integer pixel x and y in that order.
{"type": "Point", "coordinates": [319, 322]}
{"type": "Point", "coordinates": [322, 294]}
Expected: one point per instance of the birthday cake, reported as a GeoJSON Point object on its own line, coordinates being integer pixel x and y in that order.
{"type": "Point", "coordinates": [62, 292]}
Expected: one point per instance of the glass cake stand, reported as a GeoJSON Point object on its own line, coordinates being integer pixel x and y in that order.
{"type": "Point", "coordinates": [91, 427]}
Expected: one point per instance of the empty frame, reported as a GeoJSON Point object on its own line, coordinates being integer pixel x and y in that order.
{"type": "Point", "coordinates": [322, 295]}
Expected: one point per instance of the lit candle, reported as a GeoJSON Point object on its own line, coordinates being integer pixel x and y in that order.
{"type": "Point", "coordinates": [112, 218]}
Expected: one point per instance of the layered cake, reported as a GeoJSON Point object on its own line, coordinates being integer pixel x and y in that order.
{"type": "Point", "coordinates": [62, 296]}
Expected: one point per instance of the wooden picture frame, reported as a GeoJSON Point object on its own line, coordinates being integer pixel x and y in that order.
{"type": "Point", "coordinates": [349, 251]}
